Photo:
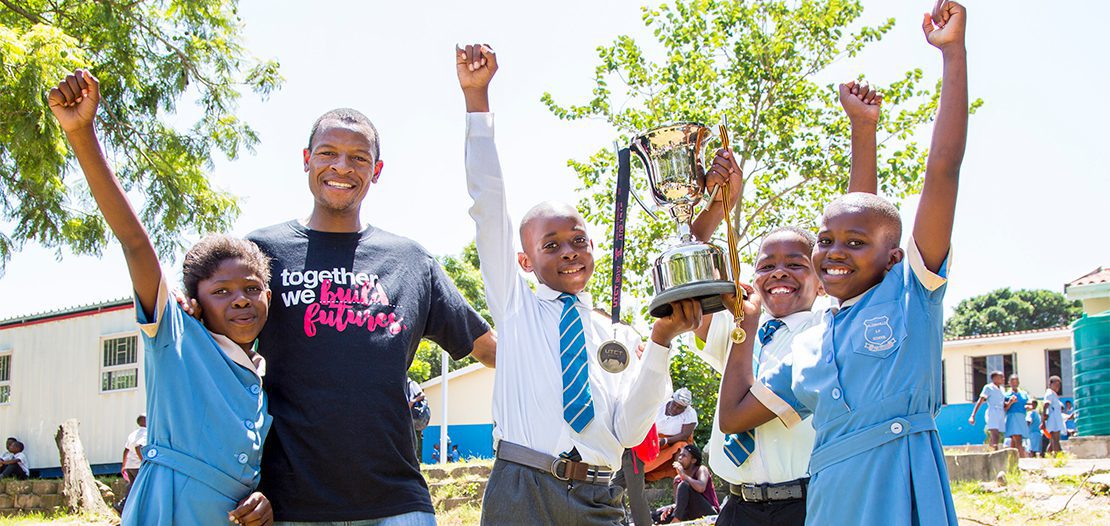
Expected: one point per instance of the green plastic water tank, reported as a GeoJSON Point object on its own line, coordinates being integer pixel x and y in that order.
{"type": "Point", "coordinates": [1092, 373]}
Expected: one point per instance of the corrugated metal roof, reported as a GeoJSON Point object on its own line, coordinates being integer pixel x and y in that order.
{"type": "Point", "coordinates": [65, 312]}
{"type": "Point", "coordinates": [1004, 334]}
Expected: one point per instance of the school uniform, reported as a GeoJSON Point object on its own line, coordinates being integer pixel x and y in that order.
{"type": "Point", "coordinates": [1033, 433]}
{"type": "Point", "coordinates": [874, 390]}
{"type": "Point", "coordinates": [1055, 417]}
{"type": "Point", "coordinates": [206, 421]}
{"type": "Point", "coordinates": [1015, 415]}
{"type": "Point", "coordinates": [996, 413]}
{"type": "Point", "coordinates": [552, 398]}
{"type": "Point", "coordinates": [768, 475]}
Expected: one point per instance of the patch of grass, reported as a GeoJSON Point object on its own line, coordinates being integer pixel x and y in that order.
{"type": "Point", "coordinates": [465, 515]}
{"type": "Point", "coordinates": [1061, 459]}
{"type": "Point", "coordinates": [37, 518]}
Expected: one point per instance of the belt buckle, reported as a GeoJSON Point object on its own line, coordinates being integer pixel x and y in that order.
{"type": "Point", "coordinates": [555, 468]}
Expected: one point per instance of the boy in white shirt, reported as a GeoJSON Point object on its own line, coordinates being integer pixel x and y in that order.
{"type": "Point", "coordinates": [561, 419]}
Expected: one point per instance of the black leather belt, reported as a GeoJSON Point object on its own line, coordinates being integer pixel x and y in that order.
{"type": "Point", "coordinates": [795, 489]}
{"type": "Point", "coordinates": [558, 467]}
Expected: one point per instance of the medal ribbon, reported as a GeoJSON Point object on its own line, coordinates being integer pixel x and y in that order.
{"type": "Point", "coordinates": [620, 209]}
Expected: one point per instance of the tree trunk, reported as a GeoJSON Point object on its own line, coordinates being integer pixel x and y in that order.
{"type": "Point", "coordinates": [79, 488]}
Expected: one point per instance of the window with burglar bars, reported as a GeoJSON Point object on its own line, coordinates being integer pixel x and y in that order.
{"type": "Point", "coordinates": [5, 378]}
{"type": "Point", "coordinates": [119, 363]}
{"type": "Point", "coordinates": [978, 368]}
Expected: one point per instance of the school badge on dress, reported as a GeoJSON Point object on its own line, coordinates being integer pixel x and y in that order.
{"type": "Point", "coordinates": [613, 356]}
{"type": "Point", "coordinates": [878, 334]}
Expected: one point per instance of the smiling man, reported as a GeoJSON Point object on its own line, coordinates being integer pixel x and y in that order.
{"type": "Point", "coordinates": [351, 304]}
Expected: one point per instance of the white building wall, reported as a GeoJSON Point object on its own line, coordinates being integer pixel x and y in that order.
{"type": "Point", "coordinates": [55, 375]}
{"type": "Point", "coordinates": [469, 396]}
{"type": "Point", "coordinates": [1031, 360]}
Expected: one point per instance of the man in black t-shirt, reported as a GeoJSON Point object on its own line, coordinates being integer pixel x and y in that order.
{"type": "Point", "coordinates": [351, 304]}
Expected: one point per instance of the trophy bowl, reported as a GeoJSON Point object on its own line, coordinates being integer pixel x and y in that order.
{"type": "Point", "coordinates": [672, 156]}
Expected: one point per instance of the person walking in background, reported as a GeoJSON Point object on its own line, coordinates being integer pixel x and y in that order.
{"type": "Point", "coordinates": [421, 415]}
{"type": "Point", "coordinates": [1070, 417]}
{"type": "Point", "coordinates": [1053, 415]}
{"type": "Point", "coordinates": [132, 458]}
{"type": "Point", "coordinates": [996, 412]}
{"type": "Point", "coordinates": [1016, 398]}
{"type": "Point", "coordinates": [1033, 429]}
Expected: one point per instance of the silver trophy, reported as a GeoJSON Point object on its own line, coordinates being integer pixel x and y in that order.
{"type": "Point", "coordinates": [672, 157]}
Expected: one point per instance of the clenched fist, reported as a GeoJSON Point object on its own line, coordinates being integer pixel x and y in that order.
{"type": "Point", "coordinates": [74, 100]}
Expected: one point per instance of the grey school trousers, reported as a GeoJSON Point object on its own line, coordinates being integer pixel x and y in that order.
{"type": "Point", "coordinates": [520, 495]}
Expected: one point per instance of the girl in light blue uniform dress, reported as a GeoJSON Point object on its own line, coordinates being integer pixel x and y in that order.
{"type": "Point", "coordinates": [1053, 414]}
{"type": "Point", "coordinates": [1033, 431]}
{"type": "Point", "coordinates": [1016, 427]}
{"type": "Point", "coordinates": [206, 412]}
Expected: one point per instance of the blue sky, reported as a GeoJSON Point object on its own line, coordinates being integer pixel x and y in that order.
{"type": "Point", "coordinates": [1033, 198]}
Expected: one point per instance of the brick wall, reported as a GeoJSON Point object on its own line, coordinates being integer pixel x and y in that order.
{"type": "Point", "coordinates": [18, 496]}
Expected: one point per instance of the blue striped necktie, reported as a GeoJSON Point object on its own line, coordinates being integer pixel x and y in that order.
{"type": "Point", "coordinates": [739, 446]}
{"type": "Point", "coordinates": [578, 405]}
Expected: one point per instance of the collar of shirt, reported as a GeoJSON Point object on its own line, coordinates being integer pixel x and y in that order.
{"type": "Point", "coordinates": [852, 301]}
{"type": "Point", "coordinates": [792, 321]}
{"type": "Point", "coordinates": [544, 292]}
{"type": "Point", "coordinates": [255, 364]}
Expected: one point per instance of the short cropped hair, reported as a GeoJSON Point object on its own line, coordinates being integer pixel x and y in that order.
{"type": "Point", "coordinates": [206, 256]}
{"type": "Point", "coordinates": [1054, 378]}
{"type": "Point", "coordinates": [997, 373]}
{"type": "Point", "coordinates": [695, 452]}
{"type": "Point", "coordinates": [349, 116]}
{"type": "Point", "coordinates": [807, 236]}
{"type": "Point", "coordinates": [874, 204]}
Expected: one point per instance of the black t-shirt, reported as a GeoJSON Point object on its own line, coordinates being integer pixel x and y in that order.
{"type": "Point", "coordinates": [347, 314]}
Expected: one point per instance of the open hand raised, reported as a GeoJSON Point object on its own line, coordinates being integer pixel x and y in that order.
{"type": "Point", "coordinates": [74, 100]}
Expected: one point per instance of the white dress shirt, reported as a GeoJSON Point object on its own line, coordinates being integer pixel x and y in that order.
{"type": "Point", "coordinates": [528, 386]}
{"type": "Point", "coordinates": [783, 445]}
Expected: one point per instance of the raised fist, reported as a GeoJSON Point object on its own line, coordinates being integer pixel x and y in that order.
{"type": "Point", "coordinates": [476, 65]}
{"type": "Point", "coordinates": [861, 103]}
{"type": "Point", "coordinates": [74, 100]}
{"type": "Point", "coordinates": [944, 27]}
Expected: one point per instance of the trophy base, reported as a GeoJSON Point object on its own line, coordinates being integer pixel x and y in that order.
{"type": "Point", "coordinates": [708, 292]}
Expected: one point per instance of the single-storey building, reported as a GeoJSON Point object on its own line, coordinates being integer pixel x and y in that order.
{"type": "Point", "coordinates": [83, 362]}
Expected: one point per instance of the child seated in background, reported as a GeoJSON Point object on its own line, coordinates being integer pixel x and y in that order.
{"type": "Point", "coordinates": [14, 461]}
{"type": "Point", "coordinates": [207, 411]}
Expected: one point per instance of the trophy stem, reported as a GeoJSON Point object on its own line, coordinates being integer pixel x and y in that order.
{"type": "Point", "coordinates": [684, 234]}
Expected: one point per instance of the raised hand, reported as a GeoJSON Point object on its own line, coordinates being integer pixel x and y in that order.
{"type": "Point", "coordinates": [861, 103]}
{"type": "Point", "coordinates": [475, 65]}
{"type": "Point", "coordinates": [725, 169]}
{"type": "Point", "coordinates": [74, 100]}
{"type": "Point", "coordinates": [685, 316]}
{"type": "Point", "coordinates": [944, 27]}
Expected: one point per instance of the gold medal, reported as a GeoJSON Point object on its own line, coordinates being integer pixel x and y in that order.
{"type": "Point", "coordinates": [739, 335]}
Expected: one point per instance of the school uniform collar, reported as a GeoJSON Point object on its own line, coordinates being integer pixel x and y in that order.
{"type": "Point", "coordinates": [544, 292]}
{"type": "Point", "coordinates": [255, 364]}
{"type": "Point", "coordinates": [793, 321]}
{"type": "Point", "coordinates": [852, 301]}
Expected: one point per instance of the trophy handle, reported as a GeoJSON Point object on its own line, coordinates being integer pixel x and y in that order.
{"type": "Point", "coordinates": [636, 196]}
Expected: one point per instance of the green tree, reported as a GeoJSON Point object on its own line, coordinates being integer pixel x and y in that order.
{"type": "Point", "coordinates": [1005, 310]}
{"type": "Point", "coordinates": [464, 271]}
{"type": "Point", "coordinates": [754, 63]}
{"type": "Point", "coordinates": [148, 55]}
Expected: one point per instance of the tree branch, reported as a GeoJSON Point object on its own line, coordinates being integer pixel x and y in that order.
{"type": "Point", "coordinates": [22, 12]}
